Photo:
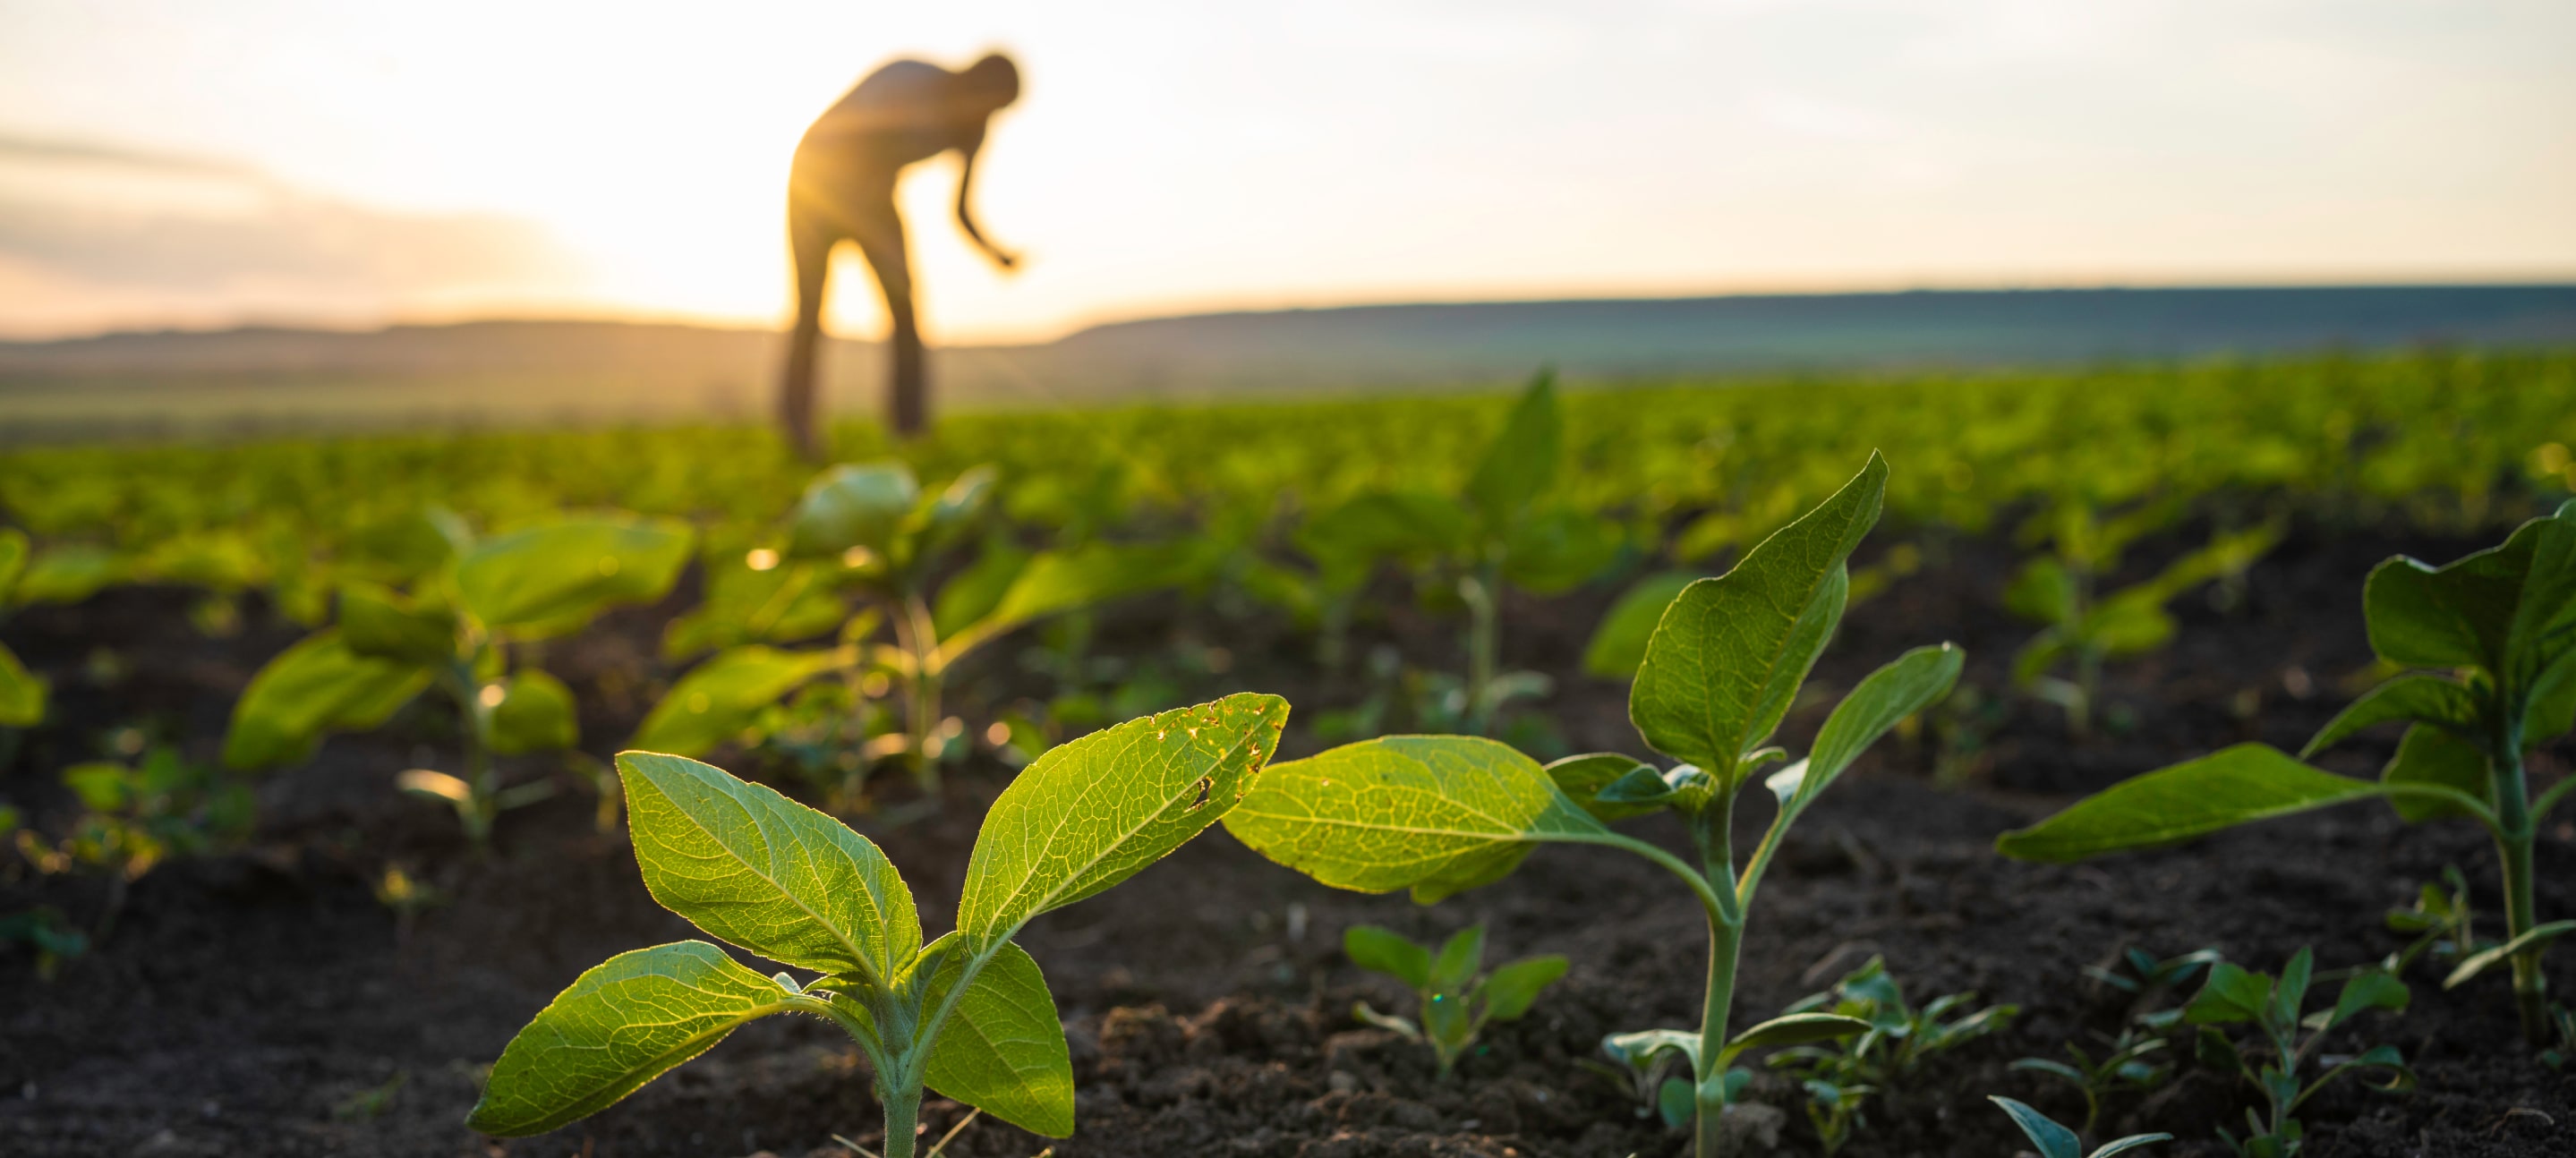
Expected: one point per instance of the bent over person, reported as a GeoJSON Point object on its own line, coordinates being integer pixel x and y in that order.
{"type": "Point", "coordinates": [842, 188]}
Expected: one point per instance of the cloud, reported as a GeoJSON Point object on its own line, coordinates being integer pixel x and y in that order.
{"type": "Point", "coordinates": [95, 235]}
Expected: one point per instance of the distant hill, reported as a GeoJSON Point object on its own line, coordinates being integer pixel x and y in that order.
{"type": "Point", "coordinates": [532, 370]}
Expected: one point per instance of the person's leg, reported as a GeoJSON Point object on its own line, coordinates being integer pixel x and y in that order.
{"type": "Point", "coordinates": [810, 242]}
{"type": "Point", "coordinates": [879, 232]}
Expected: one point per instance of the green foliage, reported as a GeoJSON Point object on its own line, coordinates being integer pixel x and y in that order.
{"type": "Point", "coordinates": [2277, 1059]}
{"type": "Point", "coordinates": [1455, 997]}
{"type": "Point", "coordinates": [2088, 627]}
{"type": "Point", "coordinates": [47, 933]}
{"type": "Point", "coordinates": [2501, 624]}
{"type": "Point", "coordinates": [132, 818]}
{"type": "Point", "coordinates": [967, 1015]}
{"type": "Point", "coordinates": [2056, 1141]}
{"type": "Point", "coordinates": [22, 693]}
{"type": "Point", "coordinates": [2440, 920]}
{"type": "Point", "coordinates": [455, 631]}
{"type": "Point", "coordinates": [2134, 1060]}
{"type": "Point", "coordinates": [1840, 1077]}
{"type": "Point", "coordinates": [870, 533]}
{"type": "Point", "coordinates": [1442, 814]}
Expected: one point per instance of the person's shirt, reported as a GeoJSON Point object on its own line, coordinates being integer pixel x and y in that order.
{"type": "Point", "coordinates": [907, 111]}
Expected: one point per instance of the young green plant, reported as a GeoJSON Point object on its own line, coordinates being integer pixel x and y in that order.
{"type": "Point", "coordinates": [1455, 997]}
{"type": "Point", "coordinates": [870, 530]}
{"type": "Point", "coordinates": [457, 631]}
{"type": "Point", "coordinates": [2055, 1141]}
{"type": "Point", "coordinates": [967, 1015]}
{"type": "Point", "coordinates": [1442, 814]}
{"type": "Point", "coordinates": [2497, 631]}
{"type": "Point", "coordinates": [1840, 1076]}
{"type": "Point", "coordinates": [2279, 1057]}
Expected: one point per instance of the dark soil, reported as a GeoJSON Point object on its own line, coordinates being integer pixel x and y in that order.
{"type": "Point", "coordinates": [263, 1003]}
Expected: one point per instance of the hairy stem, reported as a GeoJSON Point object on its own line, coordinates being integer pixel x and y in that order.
{"type": "Point", "coordinates": [902, 1118]}
{"type": "Point", "coordinates": [2514, 830]}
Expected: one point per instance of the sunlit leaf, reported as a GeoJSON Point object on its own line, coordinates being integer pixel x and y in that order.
{"type": "Point", "coordinates": [852, 506]}
{"type": "Point", "coordinates": [552, 578]}
{"type": "Point", "coordinates": [1002, 1049]}
{"type": "Point", "coordinates": [535, 715]}
{"type": "Point", "coordinates": [316, 686]}
{"type": "Point", "coordinates": [1619, 644]}
{"type": "Point", "coordinates": [2226, 788]}
{"type": "Point", "coordinates": [719, 698]}
{"type": "Point", "coordinates": [1383, 950]}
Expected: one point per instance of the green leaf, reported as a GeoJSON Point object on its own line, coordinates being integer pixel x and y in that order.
{"type": "Point", "coordinates": [852, 506]}
{"type": "Point", "coordinates": [2553, 704]}
{"type": "Point", "coordinates": [624, 1023]}
{"type": "Point", "coordinates": [2290, 994]}
{"type": "Point", "coordinates": [1521, 462]}
{"type": "Point", "coordinates": [2231, 994]}
{"type": "Point", "coordinates": [376, 621]}
{"type": "Point", "coordinates": [1581, 778]}
{"type": "Point", "coordinates": [2043, 592]}
{"type": "Point", "coordinates": [1002, 1049]}
{"type": "Point", "coordinates": [2432, 699]}
{"type": "Point", "coordinates": [551, 579]}
{"type": "Point", "coordinates": [1619, 643]}
{"type": "Point", "coordinates": [1794, 1029]}
{"type": "Point", "coordinates": [2503, 609]}
{"type": "Point", "coordinates": [1637, 1049]}
{"type": "Point", "coordinates": [763, 872]}
{"type": "Point", "coordinates": [2132, 622]}
{"type": "Point", "coordinates": [1510, 990]}
{"type": "Point", "coordinates": [719, 698]}
{"type": "Point", "coordinates": [1058, 581]}
{"type": "Point", "coordinates": [2053, 1140]}
{"type": "Point", "coordinates": [1459, 959]}
{"type": "Point", "coordinates": [1643, 787]}
{"type": "Point", "coordinates": [1552, 552]}
{"type": "Point", "coordinates": [14, 549]}
{"type": "Point", "coordinates": [22, 693]}
{"type": "Point", "coordinates": [2435, 756]}
{"type": "Point", "coordinates": [2132, 1142]}
{"type": "Point", "coordinates": [535, 715]}
{"type": "Point", "coordinates": [1436, 814]}
{"type": "Point", "coordinates": [68, 573]}
{"type": "Point", "coordinates": [1675, 1103]}
{"type": "Point", "coordinates": [2483, 960]}
{"type": "Point", "coordinates": [2226, 788]}
{"type": "Point", "coordinates": [1383, 950]}
{"type": "Point", "coordinates": [2369, 989]}
{"type": "Point", "coordinates": [973, 593]}
{"type": "Point", "coordinates": [1093, 812]}
{"type": "Point", "coordinates": [316, 686]}
{"type": "Point", "coordinates": [1906, 685]}
{"type": "Point", "coordinates": [1728, 656]}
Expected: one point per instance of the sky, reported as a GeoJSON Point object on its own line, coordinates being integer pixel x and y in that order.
{"type": "Point", "coordinates": [352, 162]}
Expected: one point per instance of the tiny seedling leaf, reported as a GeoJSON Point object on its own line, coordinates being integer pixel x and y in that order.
{"type": "Point", "coordinates": [1459, 959]}
{"type": "Point", "coordinates": [1581, 778]}
{"type": "Point", "coordinates": [2053, 1140]}
{"type": "Point", "coordinates": [763, 872]}
{"type": "Point", "coordinates": [2369, 989]}
{"type": "Point", "coordinates": [2486, 959]}
{"type": "Point", "coordinates": [1510, 990]}
{"type": "Point", "coordinates": [1794, 1029]}
{"type": "Point", "coordinates": [1382, 950]}
{"type": "Point", "coordinates": [622, 1024]}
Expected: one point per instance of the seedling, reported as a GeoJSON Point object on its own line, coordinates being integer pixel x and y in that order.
{"type": "Point", "coordinates": [22, 692]}
{"type": "Point", "coordinates": [133, 818]}
{"type": "Point", "coordinates": [2133, 1060]}
{"type": "Point", "coordinates": [51, 935]}
{"type": "Point", "coordinates": [1840, 1077]}
{"type": "Point", "coordinates": [2275, 1062]}
{"type": "Point", "coordinates": [870, 530]}
{"type": "Point", "coordinates": [2056, 1141]}
{"type": "Point", "coordinates": [967, 1015]}
{"type": "Point", "coordinates": [1496, 529]}
{"type": "Point", "coordinates": [2149, 980]}
{"type": "Point", "coordinates": [2088, 628]}
{"type": "Point", "coordinates": [1442, 814]}
{"type": "Point", "coordinates": [2501, 624]}
{"type": "Point", "coordinates": [1456, 997]}
{"type": "Point", "coordinates": [1645, 1060]}
{"type": "Point", "coordinates": [2441, 921]}
{"type": "Point", "coordinates": [457, 631]}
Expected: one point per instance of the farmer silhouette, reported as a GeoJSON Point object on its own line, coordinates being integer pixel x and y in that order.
{"type": "Point", "coordinates": [842, 188]}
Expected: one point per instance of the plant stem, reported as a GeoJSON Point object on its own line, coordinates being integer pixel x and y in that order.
{"type": "Point", "coordinates": [902, 1116]}
{"type": "Point", "coordinates": [1480, 592]}
{"type": "Point", "coordinates": [1725, 943]}
{"type": "Point", "coordinates": [481, 784]}
{"type": "Point", "coordinates": [920, 639]}
{"type": "Point", "coordinates": [2513, 836]}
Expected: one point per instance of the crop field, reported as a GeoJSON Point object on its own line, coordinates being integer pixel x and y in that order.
{"type": "Point", "coordinates": [1775, 766]}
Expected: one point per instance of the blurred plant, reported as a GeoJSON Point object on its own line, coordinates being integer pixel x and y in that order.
{"type": "Point", "coordinates": [1455, 997]}
{"type": "Point", "coordinates": [2056, 1141]}
{"type": "Point", "coordinates": [457, 631]}
{"type": "Point", "coordinates": [134, 817]}
{"type": "Point", "coordinates": [408, 896]}
{"type": "Point", "coordinates": [48, 933]}
{"type": "Point", "coordinates": [2275, 1059]}
{"type": "Point", "coordinates": [870, 530]}
{"type": "Point", "coordinates": [22, 692]}
{"type": "Point", "coordinates": [1840, 1076]}
{"type": "Point", "coordinates": [2088, 627]}
{"type": "Point", "coordinates": [2500, 627]}
{"type": "Point", "coordinates": [2441, 921]}
{"type": "Point", "coordinates": [2124, 1065]}
{"type": "Point", "coordinates": [1654, 1065]}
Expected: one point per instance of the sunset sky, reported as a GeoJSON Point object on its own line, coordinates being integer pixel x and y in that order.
{"type": "Point", "coordinates": [181, 163]}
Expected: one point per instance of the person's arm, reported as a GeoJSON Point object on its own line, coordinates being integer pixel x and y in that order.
{"type": "Point", "coordinates": [965, 212]}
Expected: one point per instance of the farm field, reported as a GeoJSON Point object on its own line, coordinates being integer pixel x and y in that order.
{"type": "Point", "coordinates": [312, 770]}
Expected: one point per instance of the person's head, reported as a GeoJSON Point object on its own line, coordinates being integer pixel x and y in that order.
{"type": "Point", "coordinates": [992, 82]}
